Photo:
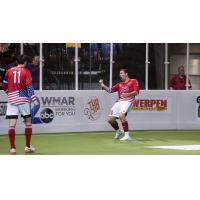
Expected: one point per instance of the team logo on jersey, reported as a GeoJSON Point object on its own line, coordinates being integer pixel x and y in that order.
{"type": "Point", "coordinates": [93, 108]}
{"type": "Point", "coordinates": [124, 89]}
{"type": "Point", "coordinates": [3, 108]}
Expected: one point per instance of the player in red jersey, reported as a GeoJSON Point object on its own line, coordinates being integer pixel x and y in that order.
{"type": "Point", "coordinates": [17, 84]}
{"type": "Point", "coordinates": [127, 90]}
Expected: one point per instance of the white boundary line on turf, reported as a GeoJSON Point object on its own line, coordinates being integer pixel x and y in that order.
{"type": "Point", "coordinates": [157, 131]}
{"type": "Point", "coordinates": [177, 147]}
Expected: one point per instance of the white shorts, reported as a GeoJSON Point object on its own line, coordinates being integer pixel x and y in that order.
{"type": "Point", "coordinates": [14, 110]}
{"type": "Point", "coordinates": [120, 107]}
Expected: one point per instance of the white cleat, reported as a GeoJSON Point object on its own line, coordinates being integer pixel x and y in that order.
{"type": "Point", "coordinates": [125, 138]}
{"type": "Point", "coordinates": [118, 135]}
{"type": "Point", "coordinates": [29, 149]}
{"type": "Point", "coordinates": [12, 151]}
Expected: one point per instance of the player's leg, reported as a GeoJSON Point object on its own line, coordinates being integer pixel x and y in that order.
{"type": "Point", "coordinates": [11, 134]}
{"type": "Point", "coordinates": [26, 114]}
{"type": "Point", "coordinates": [28, 134]}
{"type": "Point", "coordinates": [122, 117]}
{"type": "Point", "coordinates": [12, 115]}
{"type": "Point", "coordinates": [113, 122]}
{"type": "Point", "coordinates": [125, 107]}
{"type": "Point", "coordinates": [112, 119]}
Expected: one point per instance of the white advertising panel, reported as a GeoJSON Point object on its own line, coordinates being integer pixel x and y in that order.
{"type": "Point", "coordinates": [79, 111]}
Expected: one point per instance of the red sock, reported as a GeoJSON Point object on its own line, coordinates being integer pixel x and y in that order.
{"type": "Point", "coordinates": [11, 134]}
{"type": "Point", "coordinates": [115, 125]}
{"type": "Point", "coordinates": [125, 126]}
{"type": "Point", "coordinates": [28, 133]}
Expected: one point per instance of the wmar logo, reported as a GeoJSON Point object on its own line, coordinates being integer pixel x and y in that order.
{"type": "Point", "coordinates": [45, 116]}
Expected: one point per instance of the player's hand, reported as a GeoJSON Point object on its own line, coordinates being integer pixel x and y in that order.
{"type": "Point", "coordinates": [125, 95]}
{"type": "Point", "coordinates": [101, 82]}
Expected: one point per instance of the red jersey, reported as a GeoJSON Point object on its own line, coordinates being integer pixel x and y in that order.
{"type": "Point", "coordinates": [126, 87]}
{"type": "Point", "coordinates": [18, 85]}
{"type": "Point", "coordinates": [178, 83]}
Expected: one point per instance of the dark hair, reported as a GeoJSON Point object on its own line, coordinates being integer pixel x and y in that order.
{"type": "Point", "coordinates": [22, 59]}
{"type": "Point", "coordinates": [125, 70]}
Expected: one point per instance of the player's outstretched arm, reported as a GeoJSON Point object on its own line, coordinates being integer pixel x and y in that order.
{"type": "Point", "coordinates": [106, 88]}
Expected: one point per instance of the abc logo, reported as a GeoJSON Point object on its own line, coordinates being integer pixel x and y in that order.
{"type": "Point", "coordinates": [47, 115]}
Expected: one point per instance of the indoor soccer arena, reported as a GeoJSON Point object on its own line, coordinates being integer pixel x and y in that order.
{"type": "Point", "coordinates": [100, 98]}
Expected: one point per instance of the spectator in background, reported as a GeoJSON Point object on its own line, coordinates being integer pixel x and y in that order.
{"type": "Point", "coordinates": [49, 82]}
{"type": "Point", "coordinates": [106, 50]}
{"type": "Point", "coordinates": [178, 81]}
{"type": "Point", "coordinates": [4, 47]}
{"type": "Point", "coordinates": [34, 68]}
{"type": "Point", "coordinates": [6, 59]}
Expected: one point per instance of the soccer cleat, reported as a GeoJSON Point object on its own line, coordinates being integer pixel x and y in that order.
{"type": "Point", "coordinates": [29, 149]}
{"type": "Point", "coordinates": [125, 138]}
{"type": "Point", "coordinates": [118, 134]}
{"type": "Point", "coordinates": [12, 151]}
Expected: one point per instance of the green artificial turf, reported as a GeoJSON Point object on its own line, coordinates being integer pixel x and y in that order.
{"type": "Point", "coordinates": [102, 143]}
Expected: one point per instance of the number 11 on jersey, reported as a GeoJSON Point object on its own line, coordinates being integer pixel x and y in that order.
{"type": "Point", "coordinates": [16, 76]}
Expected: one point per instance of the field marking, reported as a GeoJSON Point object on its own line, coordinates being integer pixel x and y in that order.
{"type": "Point", "coordinates": [161, 131]}
{"type": "Point", "coordinates": [178, 147]}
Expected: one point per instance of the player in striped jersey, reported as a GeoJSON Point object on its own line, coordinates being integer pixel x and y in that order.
{"type": "Point", "coordinates": [127, 90]}
{"type": "Point", "coordinates": [17, 84]}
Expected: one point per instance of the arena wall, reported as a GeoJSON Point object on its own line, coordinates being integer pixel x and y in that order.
{"type": "Point", "coordinates": [80, 111]}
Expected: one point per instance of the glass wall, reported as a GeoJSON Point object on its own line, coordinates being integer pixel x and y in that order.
{"type": "Point", "coordinates": [132, 57]}
{"type": "Point", "coordinates": [156, 67]}
{"type": "Point", "coordinates": [194, 66]}
{"type": "Point", "coordinates": [58, 67]}
{"type": "Point", "coordinates": [160, 62]}
{"type": "Point", "coordinates": [94, 64]}
{"type": "Point", "coordinates": [177, 58]}
{"type": "Point", "coordinates": [33, 51]}
{"type": "Point", "coordinates": [8, 53]}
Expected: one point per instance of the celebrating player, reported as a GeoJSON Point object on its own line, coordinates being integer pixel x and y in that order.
{"type": "Point", "coordinates": [127, 90]}
{"type": "Point", "coordinates": [18, 86]}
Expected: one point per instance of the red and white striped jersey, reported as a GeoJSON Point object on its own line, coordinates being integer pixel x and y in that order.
{"type": "Point", "coordinates": [126, 87]}
{"type": "Point", "coordinates": [18, 85]}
